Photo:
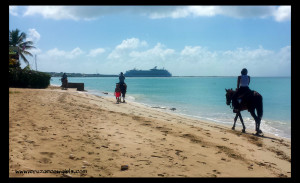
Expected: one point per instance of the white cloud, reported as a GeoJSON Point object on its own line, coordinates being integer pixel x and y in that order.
{"type": "Point", "coordinates": [56, 53]}
{"type": "Point", "coordinates": [33, 36]}
{"type": "Point", "coordinates": [75, 52]}
{"type": "Point", "coordinates": [72, 12]}
{"type": "Point", "coordinates": [13, 10]}
{"type": "Point", "coordinates": [247, 55]}
{"type": "Point", "coordinates": [131, 43]}
{"type": "Point", "coordinates": [190, 60]}
{"type": "Point", "coordinates": [96, 52]}
{"type": "Point", "coordinates": [135, 53]}
{"type": "Point", "coordinates": [281, 13]}
{"type": "Point", "coordinates": [158, 53]}
{"type": "Point", "coordinates": [185, 11]}
{"type": "Point", "coordinates": [35, 51]}
{"type": "Point", "coordinates": [128, 44]}
{"type": "Point", "coordinates": [53, 12]}
{"type": "Point", "coordinates": [197, 60]}
{"type": "Point", "coordinates": [246, 11]}
{"type": "Point", "coordinates": [191, 51]}
{"type": "Point", "coordinates": [284, 55]}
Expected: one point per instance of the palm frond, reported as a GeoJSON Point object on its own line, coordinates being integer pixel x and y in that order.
{"type": "Point", "coordinates": [24, 58]}
{"type": "Point", "coordinates": [19, 39]}
{"type": "Point", "coordinates": [28, 42]}
{"type": "Point", "coordinates": [22, 37]}
{"type": "Point", "coordinates": [27, 53]}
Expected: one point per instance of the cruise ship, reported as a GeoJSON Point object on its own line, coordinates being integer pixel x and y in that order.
{"type": "Point", "coordinates": [148, 73]}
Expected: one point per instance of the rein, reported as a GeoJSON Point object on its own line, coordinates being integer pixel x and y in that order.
{"type": "Point", "coordinates": [230, 104]}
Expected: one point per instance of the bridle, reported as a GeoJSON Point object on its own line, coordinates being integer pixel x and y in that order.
{"type": "Point", "coordinates": [230, 102]}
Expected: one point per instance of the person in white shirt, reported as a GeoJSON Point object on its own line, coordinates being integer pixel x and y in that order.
{"type": "Point", "coordinates": [242, 87]}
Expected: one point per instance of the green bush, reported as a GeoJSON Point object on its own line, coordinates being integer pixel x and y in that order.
{"type": "Point", "coordinates": [26, 78]}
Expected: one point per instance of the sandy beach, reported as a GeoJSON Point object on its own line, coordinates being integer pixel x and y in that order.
{"type": "Point", "coordinates": [56, 130]}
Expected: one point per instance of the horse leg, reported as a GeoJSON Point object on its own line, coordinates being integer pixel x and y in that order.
{"type": "Point", "coordinates": [257, 122]}
{"type": "Point", "coordinates": [123, 98]}
{"type": "Point", "coordinates": [244, 128]}
{"type": "Point", "coordinates": [235, 118]}
{"type": "Point", "coordinates": [255, 119]}
{"type": "Point", "coordinates": [258, 127]}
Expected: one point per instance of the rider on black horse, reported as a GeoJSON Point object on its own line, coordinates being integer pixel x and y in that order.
{"type": "Point", "coordinates": [242, 89]}
{"type": "Point", "coordinates": [64, 81]}
{"type": "Point", "coordinates": [122, 85]}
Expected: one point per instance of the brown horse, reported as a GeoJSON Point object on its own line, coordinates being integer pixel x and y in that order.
{"type": "Point", "coordinates": [250, 102]}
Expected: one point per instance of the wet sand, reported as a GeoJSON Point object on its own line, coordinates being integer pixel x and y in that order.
{"type": "Point", "coordinates": [54, 129]}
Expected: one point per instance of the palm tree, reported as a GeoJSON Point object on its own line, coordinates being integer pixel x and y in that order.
{"type": "Point", "coordinates": [17, 39]}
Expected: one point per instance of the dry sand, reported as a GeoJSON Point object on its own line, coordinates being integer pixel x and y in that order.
{"type": "Point", "coordinates": [53, 129]}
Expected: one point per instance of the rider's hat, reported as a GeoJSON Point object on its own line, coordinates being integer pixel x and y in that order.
{"type": "Point", "coordinates": [244, 71]}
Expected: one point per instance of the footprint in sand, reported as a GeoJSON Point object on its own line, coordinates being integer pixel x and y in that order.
{"type": "Point", "coordinates": [45, 161]}
{"type": "Point", "coordinates": [250, 167]}
{"type": "Point", "coordinates": [49, 154]}
{"type": "Point", "coordinates": [216, 171]}
{"type": "Point", "coordinates": [225, 139]}
{"type": "Point", "coordinates": [202, 162]}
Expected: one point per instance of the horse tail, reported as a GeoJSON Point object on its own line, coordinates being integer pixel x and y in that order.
{"type": "Point", "coordinates": [259, 108]}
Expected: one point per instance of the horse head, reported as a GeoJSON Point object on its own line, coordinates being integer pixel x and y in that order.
{"type": "Point", "coordinates": [229, 94]}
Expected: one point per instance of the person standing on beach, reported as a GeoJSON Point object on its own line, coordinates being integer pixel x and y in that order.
{"type": "Point", "coordinates": [118, 93]}
{"type": "Point", "coordinates": [242, 87]}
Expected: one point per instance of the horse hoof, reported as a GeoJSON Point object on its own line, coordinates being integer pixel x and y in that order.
{"type": "Point", "coordinates": [259, 133]}
{"type": "Point", "coordinates": [244, 131]}
{"type": "Point", "coordinates": [233, 128]}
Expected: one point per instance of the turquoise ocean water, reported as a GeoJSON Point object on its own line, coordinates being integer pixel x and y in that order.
{"type": "Point", "coordinates": [202, 97]}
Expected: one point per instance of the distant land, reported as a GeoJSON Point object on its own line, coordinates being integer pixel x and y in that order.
{"type": "Point", "coordinates": [59, 74]}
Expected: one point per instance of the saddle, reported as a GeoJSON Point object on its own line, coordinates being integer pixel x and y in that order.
{"type": "Point", "coordinates": [241, 99]}
{"type": "Point", "coordinates": [244, 95]}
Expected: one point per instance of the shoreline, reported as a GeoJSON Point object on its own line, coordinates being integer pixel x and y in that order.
{"type": "Point", "coordinates": [272, 121]}
{"type": "Point", "coordinates": [215, 121]}
{"type": "Point", "coordinates": [58, 129]}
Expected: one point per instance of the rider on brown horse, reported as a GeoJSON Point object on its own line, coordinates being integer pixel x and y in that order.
{"type": "Point", "coordinates": [242, 90]}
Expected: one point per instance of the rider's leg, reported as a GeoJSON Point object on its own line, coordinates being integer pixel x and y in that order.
{"type": "Point", "coordinates": [234, 102]}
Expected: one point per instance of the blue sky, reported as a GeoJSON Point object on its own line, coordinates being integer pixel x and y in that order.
{"type": "Point", "coordinates": [186, 40]}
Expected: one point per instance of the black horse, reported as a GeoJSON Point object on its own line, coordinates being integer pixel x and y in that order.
{"type": "Point", "coordinates": [123, 88]}
{"type": "Point", "coordinates": [252, 101]}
